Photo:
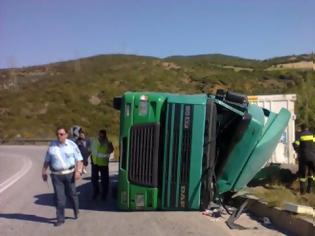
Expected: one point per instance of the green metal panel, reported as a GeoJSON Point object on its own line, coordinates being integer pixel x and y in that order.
{"type": "Point", "coordinates": [170, 155]}
{"type": "Point", "coordinates": [196, 99]}
{"type": "Point", "coordinates": [176, 107]}
{"type": "Point", "coordinates": [149, 195]}
{"type": "Point", "coordinates": [168, 158]}
{"type": "Point", "coordinates": [155, 105]}
{"type": "Point", "coordinates": [127, 192]}
{"type": "Point", "coordinates": [196, 154]}
{"type": "Point", "coordinates": [123, 190]}
{"type": "Point", "coordinates": [263, 149]}
{"type": "Point", "coordinates": [241, 151]}
{"type": "Point", "coordinates": [179, 160]}
{"type": "Point", "coordinates": [126, 122]}
{"type": "Point", "coordinates": [164, 200]}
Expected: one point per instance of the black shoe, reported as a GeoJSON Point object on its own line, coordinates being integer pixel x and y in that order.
{"type": "Point", "coordinates": [95, 195]}
{"type": "Point", "coordinates": [58, 223]}
{"type": "Point", "coordinates": [104, 197]}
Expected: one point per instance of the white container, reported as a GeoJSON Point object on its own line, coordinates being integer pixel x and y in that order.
{"type": "Point", "coordinates": [284, 153]}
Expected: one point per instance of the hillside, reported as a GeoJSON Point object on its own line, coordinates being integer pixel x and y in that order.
{"type": "Point", "coordinates": [34, 100]}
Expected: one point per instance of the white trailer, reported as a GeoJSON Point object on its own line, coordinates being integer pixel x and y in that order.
{"type": "Point", "coordinates": [284, 153]}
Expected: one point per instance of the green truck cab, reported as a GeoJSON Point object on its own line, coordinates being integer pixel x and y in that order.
{"type": "Point", "coordinates": [179, 152]}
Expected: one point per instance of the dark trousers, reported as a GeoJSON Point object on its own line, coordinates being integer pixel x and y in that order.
{"type": "Point", "coordinates": [64, 187]}
{"type": "Point", "coordinates": [306, 172]}
{"type": "Point", "coordinates": [104, 179]}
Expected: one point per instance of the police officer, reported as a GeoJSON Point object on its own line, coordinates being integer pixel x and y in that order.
{"type": "Point", "coordinates": [304, 145]}
{"type": "Point", "coordinates": [101, 148]}
{"type": "Point", "coordinates": [64, 159]}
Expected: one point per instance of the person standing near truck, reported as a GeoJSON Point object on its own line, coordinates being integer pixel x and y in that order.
{"type": "Point", "coordinates": [101, 148]}
{"type": "Point", "coordinates": [84, 146]}
{"type": "Point", "coordinates": [304, 146]}
{"type": "Point", "coordinates": [64, 159]}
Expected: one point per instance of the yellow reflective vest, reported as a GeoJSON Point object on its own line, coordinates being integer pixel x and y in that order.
{"type": "Point", "coordinates": [99, 153]}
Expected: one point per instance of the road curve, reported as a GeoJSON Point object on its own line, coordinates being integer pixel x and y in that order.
{"type": "Point", "coordinates": [26, 207]}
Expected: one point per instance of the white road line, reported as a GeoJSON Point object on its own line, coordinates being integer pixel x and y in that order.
{"type": "Point", "coordinates": [27, 164]}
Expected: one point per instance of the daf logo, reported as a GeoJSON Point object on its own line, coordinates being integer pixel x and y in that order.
{"type": "Point", "coordinates": [187, 122]}
{"type": "Point", "coordinates": [187, 117]}
{"type": "Point", "coordinates": [182, 196]}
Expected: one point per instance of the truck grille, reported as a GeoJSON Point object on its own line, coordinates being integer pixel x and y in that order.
{"type": "Point", "coordinates": [143, 162]}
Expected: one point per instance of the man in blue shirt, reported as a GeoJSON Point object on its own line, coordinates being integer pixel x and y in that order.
{"type": "Point", "coordinates": [64, 159]}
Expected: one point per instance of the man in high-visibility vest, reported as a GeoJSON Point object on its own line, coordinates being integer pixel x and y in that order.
{"type": "Point", "coordinates": [304, 145]}
{"type": "Point", "coordinates": [101, 148]}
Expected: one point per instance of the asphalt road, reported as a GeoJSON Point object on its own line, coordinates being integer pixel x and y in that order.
{"type": "Point", "coordinates": [26, 207]}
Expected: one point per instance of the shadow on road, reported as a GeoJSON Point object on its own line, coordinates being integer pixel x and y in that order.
{"type": "Point", "coordinates": [18, 216]}
{"type": "Point", "coordinates": [85, 198]}
{"type": "Point", "coordinates": [85, 192]}
{"type": "Point", "coordinates": [265, 222]}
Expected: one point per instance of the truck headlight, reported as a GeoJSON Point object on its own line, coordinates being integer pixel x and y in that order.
{"type": "Point", "coordinates": [143, 105]}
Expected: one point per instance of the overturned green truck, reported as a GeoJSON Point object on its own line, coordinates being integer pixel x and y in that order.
{"type": "Point", "coordinates": [180, 152]}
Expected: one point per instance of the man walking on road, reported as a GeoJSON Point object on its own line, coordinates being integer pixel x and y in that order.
{"type": "Point", "coordinates": [101, 148]}
{"type": "Point", "coordinates": [64, 159]}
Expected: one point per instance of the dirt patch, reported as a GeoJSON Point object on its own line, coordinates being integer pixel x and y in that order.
{"type": "Point", "coordinates": [167, 65]}
{"type": "Point", "coordinates": [44, 109]}
{"type": "Point", "coordinates": [237, 69]}
{"type": "Point", "coordinates": [277, 195]}
{"type": "Point", "coordinates": [294, 65]}
{"type": "Point", "coordinates": [95, 100]}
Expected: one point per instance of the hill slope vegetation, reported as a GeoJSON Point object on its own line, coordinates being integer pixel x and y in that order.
{"type": "Point", "coordinates": [34, 100]}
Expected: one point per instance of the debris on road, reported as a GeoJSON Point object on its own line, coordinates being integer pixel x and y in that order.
{"type": "Point", "coordinates": [299, 209]}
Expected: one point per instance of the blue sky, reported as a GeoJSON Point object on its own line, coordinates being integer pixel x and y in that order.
{"type": "Point", "coordinates": [42, 31]}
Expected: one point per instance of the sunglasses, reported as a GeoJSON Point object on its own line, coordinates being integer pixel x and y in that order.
{"type": "Point", "coordinates": [61, 134]}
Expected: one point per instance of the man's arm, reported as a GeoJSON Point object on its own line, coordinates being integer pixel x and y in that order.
{"type": "Point", "coordinates": [78, 170]}
{"type": "Point", "coordinates": [44, 171]}
{"type": "Point", "coordinates": [110, 147]}
{"type": "Point", "coordinates": [78, 163]}
{"type": "Point", "coordinates": [45, 166]}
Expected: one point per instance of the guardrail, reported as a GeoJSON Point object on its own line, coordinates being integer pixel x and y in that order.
{"type": "Point", "coordinates": [26, 141]}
